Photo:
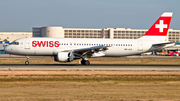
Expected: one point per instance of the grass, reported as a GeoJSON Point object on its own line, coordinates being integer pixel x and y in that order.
{"type": "Point", "coordinates": [96, 61]}
{"type": "Point", "coordinates": [95, 87]}
{"type": "Point", "coordinates": [89, 78]}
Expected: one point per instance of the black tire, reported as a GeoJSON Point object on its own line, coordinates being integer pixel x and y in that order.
{"type": "Point", "coordinates": [82, 62]}
{"type": "Point", "coordinates": [87, 62]}
{"type": "Point", "coordinates": [26, 63]}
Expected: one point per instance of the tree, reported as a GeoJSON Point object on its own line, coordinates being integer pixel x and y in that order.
{"type": "Point", "coordinates": [5, 40]}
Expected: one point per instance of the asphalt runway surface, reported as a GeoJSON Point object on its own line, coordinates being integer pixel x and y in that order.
{"type": "Point", "coordinates": [92, 67]}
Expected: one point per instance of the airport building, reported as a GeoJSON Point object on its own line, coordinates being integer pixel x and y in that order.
{"type": "Point", "coordinates": [11, 36]}
{"type": "Point", "coordinates": [117, 33]}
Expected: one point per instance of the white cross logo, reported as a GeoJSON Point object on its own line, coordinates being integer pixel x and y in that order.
{"type": "Point", "coordinates": [161, 26]}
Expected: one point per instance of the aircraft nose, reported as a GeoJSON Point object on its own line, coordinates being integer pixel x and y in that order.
{"type": "Point", "coordinates": [7, 49]}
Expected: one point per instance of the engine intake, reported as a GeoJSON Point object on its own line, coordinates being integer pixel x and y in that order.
{"type": "Point", "coordinates": [64, 57]}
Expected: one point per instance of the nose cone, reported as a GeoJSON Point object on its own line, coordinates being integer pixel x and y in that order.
{"type": "Point", "coordinates": [7, 49]}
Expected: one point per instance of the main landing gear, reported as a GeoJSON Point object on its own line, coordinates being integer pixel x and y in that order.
{"type": "Point", "coordinates": [27, 60]}
{"type": "Point", "coordinates": [85, 62]}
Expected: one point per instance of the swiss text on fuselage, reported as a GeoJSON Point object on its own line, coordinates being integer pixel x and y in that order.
{"type": "Point", "coordinates": [45, 43]}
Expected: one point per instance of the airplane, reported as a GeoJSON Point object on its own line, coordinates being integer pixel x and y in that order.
{"type": "Point", "coordinates": [69, 49]}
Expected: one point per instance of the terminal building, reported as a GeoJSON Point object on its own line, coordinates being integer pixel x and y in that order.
{"type": "Point", "coordinates": [11, 36]}
{"type": "Point", "coordinates": [117, 33]}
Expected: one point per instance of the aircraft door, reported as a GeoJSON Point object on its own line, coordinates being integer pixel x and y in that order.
{"type": "Point", "coordinates": [27, 43]}
{"type": "Point", "coordinates": [140, 45]}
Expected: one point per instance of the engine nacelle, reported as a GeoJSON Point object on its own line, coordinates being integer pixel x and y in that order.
{"type": "Point", "coordinates": [64, 57]}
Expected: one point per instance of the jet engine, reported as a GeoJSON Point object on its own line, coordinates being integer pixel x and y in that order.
{"type": "Point", "coordinates": [64, 57]}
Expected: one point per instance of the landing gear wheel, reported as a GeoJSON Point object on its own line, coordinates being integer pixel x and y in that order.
{"type": "Point", "coordinates": [26, 63]}
{"type": "Point", "coordinates": [27, 60]}
{"type": "Point", "coordinates": [85, 62]}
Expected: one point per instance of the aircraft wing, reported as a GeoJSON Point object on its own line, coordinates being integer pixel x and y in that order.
{"type": "Point", "coordinates": [96, 48]}
{"type": "Point", "coordinates": [87, 51]}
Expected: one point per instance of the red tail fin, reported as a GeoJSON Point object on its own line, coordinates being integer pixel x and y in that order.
{"type": "Point", "coordinates": [161, 26]}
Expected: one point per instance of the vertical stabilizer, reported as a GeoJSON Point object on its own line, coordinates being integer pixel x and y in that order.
{"type": "Point", "coordinates": [159, 29]}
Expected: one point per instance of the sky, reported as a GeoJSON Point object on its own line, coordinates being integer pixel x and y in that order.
{"type": "Point", "coordinates": [23, 15]}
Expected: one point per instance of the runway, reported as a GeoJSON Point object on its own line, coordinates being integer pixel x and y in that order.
{"type": "Point", "coordinates": [92, 67]}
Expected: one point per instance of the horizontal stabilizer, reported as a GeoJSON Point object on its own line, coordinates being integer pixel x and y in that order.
{"type": "Point", "coordinates": [163, 43]}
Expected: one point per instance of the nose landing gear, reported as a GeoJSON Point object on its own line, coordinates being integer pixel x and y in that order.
{"type": "Point", "coordinates": [27, 60]}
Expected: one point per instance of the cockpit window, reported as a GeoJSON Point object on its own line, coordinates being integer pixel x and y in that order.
{"type": "Point", "coordinates": [14, 43]}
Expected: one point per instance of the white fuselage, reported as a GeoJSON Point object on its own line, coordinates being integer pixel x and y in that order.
{"type": "Point", "coordinates": [50, 46]}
